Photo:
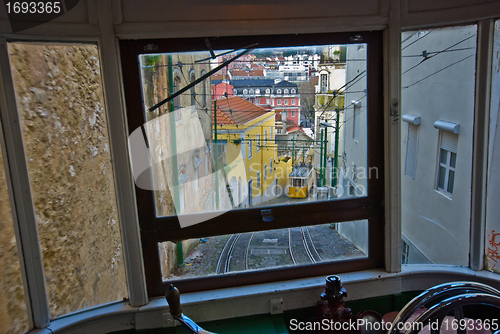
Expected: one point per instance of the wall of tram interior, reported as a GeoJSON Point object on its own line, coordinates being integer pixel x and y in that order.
{"type": "Point", "coordinates": [104, 22]}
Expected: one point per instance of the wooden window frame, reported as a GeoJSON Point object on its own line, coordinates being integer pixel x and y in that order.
{"type": "Point", "coordinates": [159, 229]}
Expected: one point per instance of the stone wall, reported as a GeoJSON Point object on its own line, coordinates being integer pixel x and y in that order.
{"type": "Point", "coordinates": [13, 316]}
{"type": "Point", "coordinates": [61, 107]}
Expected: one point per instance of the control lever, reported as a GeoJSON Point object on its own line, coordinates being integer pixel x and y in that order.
{"type": "Point", "coordinates": [173, 297]}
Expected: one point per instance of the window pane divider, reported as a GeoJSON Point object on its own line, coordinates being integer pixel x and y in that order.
{"type": "Point", "coordinates": [23, 211]}
{"type": "Point", "coordinates": [119, 148]}
{"type": "Point", "coordinates": [484, 56]}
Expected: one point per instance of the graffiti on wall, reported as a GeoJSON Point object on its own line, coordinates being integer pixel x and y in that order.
{"type": "Point", "coordinates": [493, 240]}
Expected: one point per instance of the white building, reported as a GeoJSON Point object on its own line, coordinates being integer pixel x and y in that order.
{"type": "Point", "coordinates": [437, 132]}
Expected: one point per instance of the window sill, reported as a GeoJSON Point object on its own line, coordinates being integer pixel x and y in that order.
{"type": "Point", "coordinates": [253, 300]}
{"type": "Point", "coordinates": [444, 194]}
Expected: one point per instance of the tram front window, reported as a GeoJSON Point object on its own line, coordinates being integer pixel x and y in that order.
{"type": "Point", "coordinates": [185, 193]}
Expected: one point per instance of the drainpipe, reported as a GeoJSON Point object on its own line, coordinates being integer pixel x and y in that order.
{"type": "Point", "coordinates": [175, 170]}
{"type": "Point", "coordinates": [216, 152]}
{"type": "Point", "coordinates": [320, 158]}
{"type": "Point", "coordinates": [324, 156]}
{"type": "Point", "coordinates": [335, 158]}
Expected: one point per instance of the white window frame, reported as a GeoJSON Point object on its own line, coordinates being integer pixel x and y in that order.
{"type": "Point", "coordinates": [265, 171]}
{"type": "Point", "coordinates": [258, 143]}
{"type": "Point", "coordinates": [258, 179]}
{"type": "Point", "coordinates": [265, 137]}
{"type": "Point", "coordinates": [278, 102]}
{"type": "Point", "coordinates": [271, 170]}
{"type": "Point", "coordinates": [293, 102]}
{"type": "Point", "coordinates": [450, 147]}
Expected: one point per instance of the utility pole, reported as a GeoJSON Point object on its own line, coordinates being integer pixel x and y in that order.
{"type": "Point", "coordinates": [335, 158]}
{"type": "Point", "coordinates": [216, 153]}
{"type": "Point", "coordinates": [175, 171]}
{"type": "Point", "coordinates": [321, 159]}
{"type": "Point", "coordinates": [324, 156]}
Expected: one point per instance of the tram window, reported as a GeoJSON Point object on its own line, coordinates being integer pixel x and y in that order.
{"type": "Point", "coordinates": [309, 174]}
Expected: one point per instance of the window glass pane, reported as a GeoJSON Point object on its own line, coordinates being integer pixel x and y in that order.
{"type": "Point", "coordinates": [438, 82]}
{"type": "Point", "coordinates": [13, 315]}
{"type": "Point", "coordinates": [451, 180]}
{"type": "Point", "coordinates": [441, 178]}
{"type": "Point", "coordinates": [444, 157]}
{"type": "Point", "coordinates": [268, 249]}
{"type": "Point", "coordinates": [492, 241]}
{"type": "Point", "coordinates": [453, 160]}
{"type": "Point", "coordinates": [61, 108]}
{"type": "Point", "coordinates": [333, 160]}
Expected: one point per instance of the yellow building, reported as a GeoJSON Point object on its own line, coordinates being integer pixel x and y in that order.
{"type": "Point", "coordinates": [245, 136]}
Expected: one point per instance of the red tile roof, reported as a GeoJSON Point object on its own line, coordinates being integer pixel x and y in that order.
{"type": "Point", "coordinates": [294, 128]}
{"type": "Point", "coordinates": [235, 110]}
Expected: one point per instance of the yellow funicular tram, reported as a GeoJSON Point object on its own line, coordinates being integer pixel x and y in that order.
{"type": "Point", "coordinates": [301, 180]}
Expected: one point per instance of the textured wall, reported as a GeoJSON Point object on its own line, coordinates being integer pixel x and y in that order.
{"type": "Point", "coordinates": [13, 317]}
{"type": "Point", "coordinates": [59, 96]}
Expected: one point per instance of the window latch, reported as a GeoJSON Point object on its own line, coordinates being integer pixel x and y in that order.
{"type": "Point", "coordinates": [266, 215]}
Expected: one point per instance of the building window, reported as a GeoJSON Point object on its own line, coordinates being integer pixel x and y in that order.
{"type": "Point", "coordinates": [258, 143]}
{"type": "Point", "coordinates": [324, 83]}
{"type": "Point", "coordinates": [193, 91]}
{"type": "Point", "coordinates": [271, 166]}
{"type": "Point", "coordinates": [265, 137]}
{"type": "Point", "coordinates": [251, 91]}
{"type": "Point", "coordinates": [278, 91]}
{"type": "Point", "coordinates": [235, 92]}
{"type": "Point", "coordinates": [293, 91]}
{"type": "Point", "coordinates": [249, 142]}
{"type": "Point", "coordinates": [268, 101]}
{"type": "Point", "coordinates": [257, 91]}
{"type": "Point", "coordinates": [258, 179]}
{"type": "Point", "coordinates": [293, 102]}
{"type": "Point", "coordinates": [221, 150]}
{"type": "Point", "coordinates": [293, 113]}
{"type": "Point", "coordinates": [286, 102]}
{"type": "Point", "coordinates": [447, 162]}
{"type": "Point", "coordinates": [411, 150]}
{"type": "Point", "coordinates": [177, 99]}
{"type": "Point", "coordinates": [268, 91]}
{"type": "Point", "coordinates": [245, 91]}
{"type": "Point", "coordinates": [286, 91]}
{"type": "Point", "coordinates": [265, 171]}
{"type": "Point", "coordinates": [279, 102]}
{"type": "Point", "coordinates": [355, 121]}
{"type": "Point", "coordinates": [204, 90]}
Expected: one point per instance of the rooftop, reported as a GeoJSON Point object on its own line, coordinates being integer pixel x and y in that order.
{"type": "Point", "coordinates": [237, 111]}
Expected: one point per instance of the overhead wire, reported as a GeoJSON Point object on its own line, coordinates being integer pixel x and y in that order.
{"type": "Point", "coordinates": [430, 75]}
{"type": "Point", "coordinates": [418, 39]}
{"type": "Point", "coordinates": [435, 54]}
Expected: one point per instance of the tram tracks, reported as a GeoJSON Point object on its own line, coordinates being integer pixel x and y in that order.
{"type": "Point", "coordinates": [235, 253]}
{"type": "Point", "coordinates": [234, 256]}
{"type": "Point", "coordinates": [301, 246]}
